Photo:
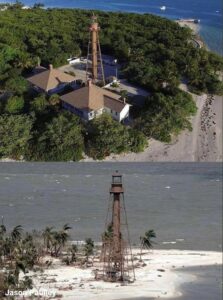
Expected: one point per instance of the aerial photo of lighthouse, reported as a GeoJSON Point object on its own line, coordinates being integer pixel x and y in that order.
{"type": "Point", "coordinates": [111, 150]}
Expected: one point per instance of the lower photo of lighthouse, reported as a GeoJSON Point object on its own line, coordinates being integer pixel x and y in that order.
{"type": "Point", "coordinates": [110, 231]}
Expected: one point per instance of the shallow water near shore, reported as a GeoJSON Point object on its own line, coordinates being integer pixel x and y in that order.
{"type": "Point", "coordinates": [207, 285]}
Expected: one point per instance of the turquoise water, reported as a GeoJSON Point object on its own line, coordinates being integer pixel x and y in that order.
{"type": "Point", "coordinates": [208, 11]}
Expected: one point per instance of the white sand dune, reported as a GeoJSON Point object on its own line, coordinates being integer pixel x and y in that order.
{"type": "Point", "coordinates": [158, 278]}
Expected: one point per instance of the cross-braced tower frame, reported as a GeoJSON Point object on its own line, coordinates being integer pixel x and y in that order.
{"type": "Point", "coordinates": [116, 249]}
{"type": "Point", "coordinates": [94, 68]}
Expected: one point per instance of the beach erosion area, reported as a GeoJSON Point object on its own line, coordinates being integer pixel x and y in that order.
{"type": "Point", "coordinates": [159, 275]}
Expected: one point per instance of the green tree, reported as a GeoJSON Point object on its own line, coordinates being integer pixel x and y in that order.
{"type": "Point", "coordinates": [47, 237]}
{"type": "Point", "coordinates": [15, 133]}
{"type": "Point", "coordinates": [17, 5]}
{"type": "Point", "coordinates": [88, 248]}
{"type": "Point", "coordinates": [39, 104]}
{"type": "Point", "coordinates": [59, 240]}
{"type": "Point", "coordinates": [165, 114]}
{"type": "Point", "coordinates": [14, 105]}
{"type": "Point", "coordinates": [106, 136]}
{"type": "Point", "coordinates": [38, 5]}
{"type": "Point", "coordinates": [137, 140]}
{"type": "Point", "coordinates": [147, 240]}
{"type": "Point", "coordinates": [62, 139]}
{"type": "Point", "coordinates": [17, 85]}
{"type": "Point", "coordinates": [16, 233]}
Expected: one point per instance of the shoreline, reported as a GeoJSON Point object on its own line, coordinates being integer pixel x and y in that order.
{"type": "Point", "coordinates": [160, 277]}
{"type": "Point", "coordinates": [195, 27]}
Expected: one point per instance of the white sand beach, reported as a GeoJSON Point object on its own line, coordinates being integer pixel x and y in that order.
{"type": "Point", "coordinates": [158, 277]}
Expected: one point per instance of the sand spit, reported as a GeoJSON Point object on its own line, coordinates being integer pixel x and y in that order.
{"type": "Point", "coordinates": [203, 143]}
{"type": "Point", "coordinates": [158, 277]}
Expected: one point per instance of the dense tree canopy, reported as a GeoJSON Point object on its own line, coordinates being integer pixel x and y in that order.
{"type": "Point", "coordinates": [14, 105]}
{"type": "Point", "coordinates": [166, 113]}
{"type": "Point", "coordinates": [57, 139]}
{"type": "Point", "coordinates": [106, 136]}
{"type": "Point", "coordinates": [15, 133]}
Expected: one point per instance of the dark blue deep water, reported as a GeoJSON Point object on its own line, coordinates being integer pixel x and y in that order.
{"type": "Point", "coordinates": [208, 11]}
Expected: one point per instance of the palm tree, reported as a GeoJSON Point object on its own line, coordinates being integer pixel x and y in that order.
{"type": "Point", "coordinates": [16, 233]}
{"type": "Point", "coordinates": [72, 255]}
{"type": "Point", "coordinates": [73, 251]}
{"type": "Point", "coordinates": [2, 242]}
{"type": "Point", "coordinates": [2, 230]}
{"type": "Point", "coordinates": [47, 237]}
{"type": "Point", "coordinates": [88, 248]}
{"type": "Point", "coordinates": [19, 266]}
{"type": "Point", "coordinates": [108, 234]}
{"type": "Point", "coordinates": [146, 240]}
{"type": "Point", "coordinates": [59, 239]}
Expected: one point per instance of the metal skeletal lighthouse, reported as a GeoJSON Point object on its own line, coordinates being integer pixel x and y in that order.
{"type": "Point", "coordinates": [116, 250]}
{"type": "Point", "coordinates": [94, 70]}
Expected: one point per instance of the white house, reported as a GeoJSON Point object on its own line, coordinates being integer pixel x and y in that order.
{"type": "Point", "coordinates": [91, 101]}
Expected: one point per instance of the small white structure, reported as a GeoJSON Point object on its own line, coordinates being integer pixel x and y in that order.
{"type": "Point", "coordinates": [73, 60]}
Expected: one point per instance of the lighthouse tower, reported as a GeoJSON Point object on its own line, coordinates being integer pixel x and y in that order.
{"type": "Point", "coordinates": [94, 70]}
{"type": "Point", "coordinates": [116, 249]}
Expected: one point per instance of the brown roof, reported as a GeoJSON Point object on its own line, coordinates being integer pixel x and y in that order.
{"type": "Point", "coordinates": [115, 105]}
{"type": "Point", "coordinates": [50, 79]}
{"type": "Point", "coordinates": [93, 97]}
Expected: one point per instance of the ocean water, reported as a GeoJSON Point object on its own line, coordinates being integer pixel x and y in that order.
{"type": "Point", "coordinates": [180, 201]}
{"type": "Point", "coordinates": [207, 286]}
{"type": "Point", "coordinates": [208, 11]}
